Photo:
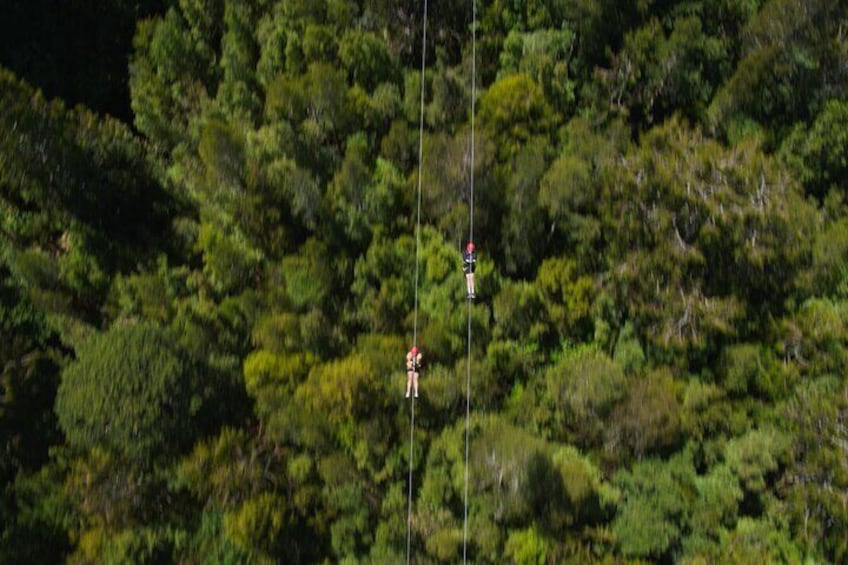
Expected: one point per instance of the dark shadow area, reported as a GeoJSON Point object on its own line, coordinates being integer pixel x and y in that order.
{"type": "Point", "coordinates": [75, 50]}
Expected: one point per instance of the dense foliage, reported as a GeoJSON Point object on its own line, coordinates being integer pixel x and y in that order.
{"type": "Point", "coordinates": [204, 309]}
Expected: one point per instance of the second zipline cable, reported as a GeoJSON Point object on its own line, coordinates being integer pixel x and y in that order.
{"type": "Point", "coordinates": [470, 238]}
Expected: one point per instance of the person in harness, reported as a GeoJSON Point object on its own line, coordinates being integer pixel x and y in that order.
{"type": "Point", "coordinates": [469, 258]}
{"type": "Point", "coordinates": [413, 366]}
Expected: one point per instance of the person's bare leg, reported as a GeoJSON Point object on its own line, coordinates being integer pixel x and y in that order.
{"type": "Point", "coordinates": [415, 383]}
{"type": "Point", "coordinates": [408, 382]}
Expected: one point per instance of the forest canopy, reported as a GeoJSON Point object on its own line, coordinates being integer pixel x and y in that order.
{"type": "Point", "coordinates": [213, 262]}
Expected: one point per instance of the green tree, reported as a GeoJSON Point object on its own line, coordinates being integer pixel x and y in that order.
{"type": "Point", "coordinates": [655, 507]}
{"type": "Point", "coordinates": [693, 266]}
{"type": "Point", "coordinates": [816, 476]}
{"type": "Point", "coordinates": [600, 26]}
{"type": "Point", "coordinates": [92, 207]}
{"type": "Point", "coordinates": [257, 528]}
{"type": "Point", "coordinates": [584, 388]}
{"type": "Point", "coordinates": [28, 430]}
{"type": "Point", "coordinates": [570, 191]}
{"type": "Point", "coordinates": [754, 457]}
{"type": "Point", "coordinates": [816, 152]}
{"type": "Point", "coordinates": [826, 276]}
{"type": "Point", "coordinates": [759, 540]}
{"type": "Point", "coordinates": [348, 192]}
{"type": "Point", "coordinates": [172, 68]}
{"type": "Point", "coordinates": [527, 547]}
{"type": "Point", "coordinates": [786, 72]}
{"type": "Point", "coordinates": [815, 335]}
{"type": "Point", "coordinates": [367, 59]}
{"type": "Point", "coordinates": [519, 313]}
{"type": "Point", "coordinates": [447, 193]}
{"type": "Point", "coordinates": [513, 483]}
{"type": "Point", "coordinates": [659, 71]}
{"type": "Point", "coordinates": [649, 419]}
{"type": "Point", "coordinates": [383, 282]}
{"type": "Point", "coordinates": [714, 512]}
{"type": "Point", "coordinates": [132, 392]}
{"type": "Point", "coordinates": [748, 370]}
{"type": "Point", "coordinates": [568, 297]}
{"type": "Point", "coordinates": [36, 516]}
{"type": "Point", "coordinates": [544, 55]}
{"type": "Point", "coordinates": [514, 109]}
{"type": "Point", "coordinates": [239, 53]}
{"type": "Point", "coordinates": [523, 228]}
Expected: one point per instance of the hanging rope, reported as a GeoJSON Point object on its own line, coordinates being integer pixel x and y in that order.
{"type": "Point", "coordinates": [470, 238]}
{"type": "Point", "coordinates": [417, 257]}
{"type": "Point", "coordinates": [409, 507]}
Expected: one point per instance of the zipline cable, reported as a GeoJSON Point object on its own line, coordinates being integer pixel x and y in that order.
{"type": "Point", "coordinates": [417, 257]}
{"type": "Point", "coordinates": [409, 507]}
{"type": "Point", "coordinates": [470, 238]}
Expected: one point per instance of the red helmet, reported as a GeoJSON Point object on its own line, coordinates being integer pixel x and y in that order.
{"type": "Point", "coordinates": [470, 247]}
{"type": "Point", "coordinates": [414, 350]}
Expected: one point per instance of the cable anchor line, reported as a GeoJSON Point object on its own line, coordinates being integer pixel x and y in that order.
{"type": "Point", "coordinates": [417, 270]}
{"type": "Point", "coordinates": [470, 238]}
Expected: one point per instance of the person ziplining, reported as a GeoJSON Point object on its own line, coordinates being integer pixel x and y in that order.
{"type": "Point", "coordinates": [413, 368]}
{"type": "Point", "coordinates": [469, 259]}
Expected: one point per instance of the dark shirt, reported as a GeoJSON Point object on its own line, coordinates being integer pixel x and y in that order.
{"type": "Point", "coordinates": [468, 261]}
